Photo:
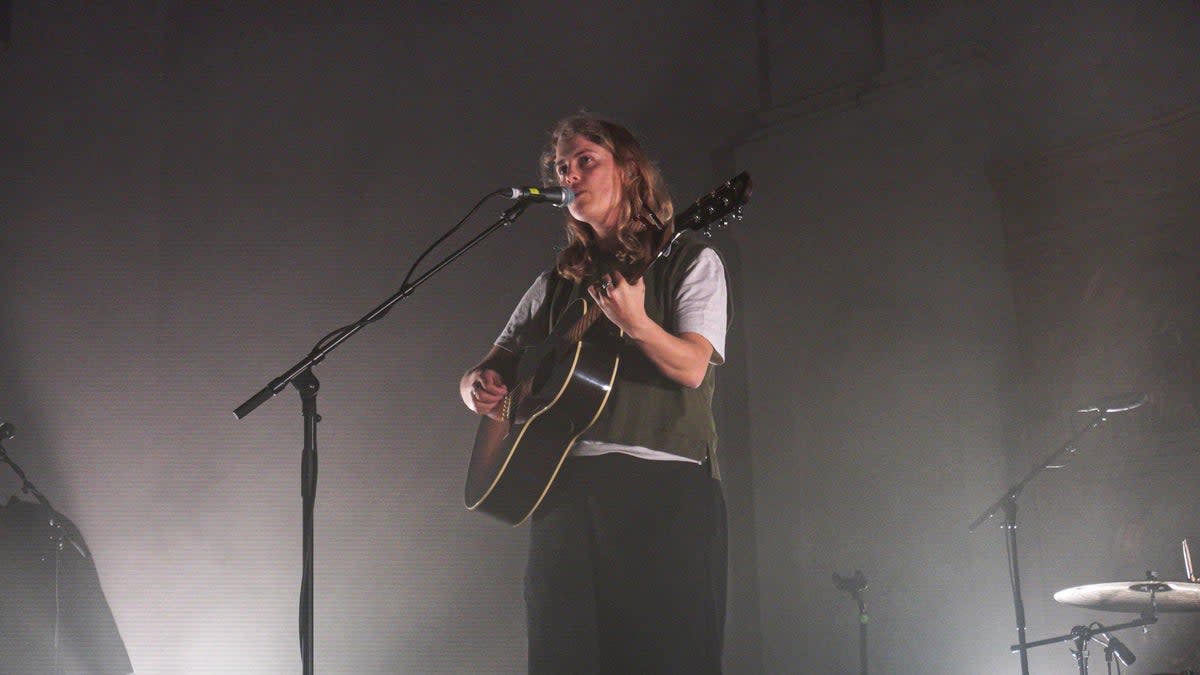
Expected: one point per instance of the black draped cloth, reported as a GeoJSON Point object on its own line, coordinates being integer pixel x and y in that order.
{"type": "Point", "coordinates": [88, 639]}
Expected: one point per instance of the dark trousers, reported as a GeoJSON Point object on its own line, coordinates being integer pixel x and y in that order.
{"type": "Point", "coordinates": [626, 572]}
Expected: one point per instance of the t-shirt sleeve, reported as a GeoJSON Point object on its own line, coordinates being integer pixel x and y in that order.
{"type": "Point", "coordinates": [701, 303]}
{"type": "Point", "coordinates": [528, 325]}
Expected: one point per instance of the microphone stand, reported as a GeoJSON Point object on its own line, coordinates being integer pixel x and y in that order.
{"type": "Point", "coordinates": [855, 586]}
{"type": "Point", "coordinates": [58, 525]}
{"type": "Point", "coordinates": [1008, 502]}
{"type": "Point", "coordinates": [301, 377]}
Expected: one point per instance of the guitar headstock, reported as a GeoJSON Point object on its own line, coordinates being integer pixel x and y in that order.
{"type": "Point", "coordinates": [718, 207]}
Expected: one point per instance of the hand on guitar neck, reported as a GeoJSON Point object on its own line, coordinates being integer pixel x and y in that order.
{"type": "Point", "coordinates": [683, 358]}
{"type": "Point", "coordinates": [623, 301]}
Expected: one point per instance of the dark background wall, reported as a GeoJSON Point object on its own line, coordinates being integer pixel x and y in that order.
{"type": "Point", "coordinates": [193, 195]}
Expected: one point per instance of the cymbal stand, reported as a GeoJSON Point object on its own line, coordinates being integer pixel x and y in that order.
{"type": "Point", "coordinates": [1081, 635]}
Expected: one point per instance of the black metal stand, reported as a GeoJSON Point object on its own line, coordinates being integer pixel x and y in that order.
{"type": "Point", "coordinates": [301, 376]}
{"type": "Point", "coordinates": [306, 383]}
{"type": "Point", "coordinates": [855, 586]}
{"type": "Point", "coordinates": [1081, 635]}
{"type": "Point", "coordinates": [1014, 573]}
{"type": "Point", "coordinates": [1008, 502]}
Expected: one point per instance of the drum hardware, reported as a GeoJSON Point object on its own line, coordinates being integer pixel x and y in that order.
{"type": "Point", "coordinates": [1099, 633]}
{"type": "Point", "coordinates": [1148, 597]}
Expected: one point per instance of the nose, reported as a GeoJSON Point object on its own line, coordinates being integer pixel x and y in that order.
{"type": "Point", "coordinates": [570, 177]}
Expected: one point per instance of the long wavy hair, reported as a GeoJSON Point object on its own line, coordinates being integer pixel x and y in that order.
{"type": "Point", "coordinates": [645, 223]}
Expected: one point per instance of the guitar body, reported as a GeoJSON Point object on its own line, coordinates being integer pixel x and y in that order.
{"type": "Point", "coordinates": [515, 460]}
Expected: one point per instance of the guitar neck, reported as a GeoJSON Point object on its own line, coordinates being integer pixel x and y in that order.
{"type": "Point", "coordinates": [584, 324]}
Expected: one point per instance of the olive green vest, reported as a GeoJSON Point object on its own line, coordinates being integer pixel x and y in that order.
{"type": "Point", "coordinates": [645, 407]}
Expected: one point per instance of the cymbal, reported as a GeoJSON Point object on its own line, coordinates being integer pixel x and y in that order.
{"type": "Point", "coordinates": [1134, 596]}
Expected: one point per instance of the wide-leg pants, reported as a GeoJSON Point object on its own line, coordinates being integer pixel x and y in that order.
{"type": "Point", "coordinates": [627, 569]}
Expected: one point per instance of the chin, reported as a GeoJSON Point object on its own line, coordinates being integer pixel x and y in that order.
{"type": "Point", "coordinates": [584, 218]}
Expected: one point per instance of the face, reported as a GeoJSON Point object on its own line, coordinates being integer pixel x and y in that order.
{"type": "Point", "coordinates": [591, 172]}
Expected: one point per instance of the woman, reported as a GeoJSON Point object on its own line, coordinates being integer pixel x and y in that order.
{"type": "Point", "coordinates": [626, 568]}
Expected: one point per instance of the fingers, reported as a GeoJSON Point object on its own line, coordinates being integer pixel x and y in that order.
{"type": "Point", "coordinates": [599, 291]}
{"type": "Point", "coordinates": [487, 391]}
{"type": "Point", "coordinates": [606, 286]}
{"type": "Point", "coordinates": [613, 287]}
{"type": "Point", "coordinates": [491, 380]}
{"type": "Point", "coordinates": [616, 282]}
{"type": "Point", "coordinates": [486, 403]}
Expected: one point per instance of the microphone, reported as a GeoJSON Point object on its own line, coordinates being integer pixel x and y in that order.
{"type": "Point", "coordinates": [853, 584]}
{"type": "Point", "coordinates": [7, 430]}
{"type": "Point", "coordinates": [1119, 403]}
{"type": "Point", "coordinates": [1122, 652]}
{"type": "Point", "coordinates": [557, 196]}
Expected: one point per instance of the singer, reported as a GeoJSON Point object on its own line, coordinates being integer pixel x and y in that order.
{"type": "Point", "coordinates": [627, 553]}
